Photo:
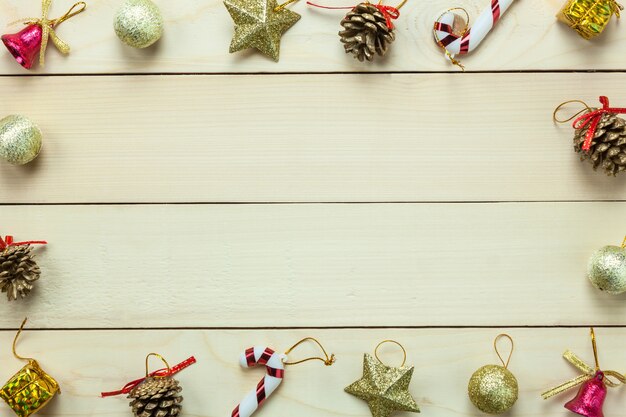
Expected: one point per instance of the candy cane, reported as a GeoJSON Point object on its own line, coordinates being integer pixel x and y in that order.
{"type": "Point", "coordinates": [274, 362]}
{"type": "Point", "coordinates": [463, 43]}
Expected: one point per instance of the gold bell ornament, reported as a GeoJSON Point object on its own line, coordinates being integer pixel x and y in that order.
{"type": "Point", "coordinates": [588, 17]}
{"type": "Point", "coordinates": [31, 388]}
{"type": "Point", "coordinates": [493, 389]}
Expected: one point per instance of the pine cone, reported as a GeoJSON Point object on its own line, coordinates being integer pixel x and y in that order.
{"type": "Point", "coordinates": [156, 397]}
{"type": "Point", "coordinates": [366, 32]}
{"type": "Point", "coordinates": [608, 148]}
{"type": "Point", "coordinates": [18, 271]}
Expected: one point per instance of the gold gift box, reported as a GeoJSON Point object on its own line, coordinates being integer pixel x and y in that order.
{"type": "Point", "coordinates": [588, 17]}
{"type": "Point", "coordinates": [29, 390]}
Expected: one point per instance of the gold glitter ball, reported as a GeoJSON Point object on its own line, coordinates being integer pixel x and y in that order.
{"type": "Point", "coordinates": [20, 139]}
{"type": "Point", "coordinates": [384, 388]}
{"type": "Point", "coordinates": [259, 24]}
{"type": "Point", "coordinates": [138, 23]}
{"type": "Point", "coordinates": [607, 269]}
{"type": "Point", "coordinates": [493, 389]}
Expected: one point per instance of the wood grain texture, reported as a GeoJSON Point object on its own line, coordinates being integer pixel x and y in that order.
{"type": "Point", "coordinates": [198, 34]}
{"type": "Point", "coordinates": [443, 360]}
{"type": "Point", "coordinates": [316, 265]}
{"type": "Point", "coordinates": [298, 138]}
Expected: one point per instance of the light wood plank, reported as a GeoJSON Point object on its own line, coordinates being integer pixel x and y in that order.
{"type": "Point", "coordinates": [305, 138]}
{"type": "Point", "coordinates": [85, 363]}
{"type": "Point", "coordinates": [198, 33]}
{"type": "Point", "coordinates": [317, 265]}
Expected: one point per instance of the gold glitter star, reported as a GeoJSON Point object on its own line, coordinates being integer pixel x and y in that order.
{"type": "Point", "coordinates": [259, 24]}
{"type": "Point", "coordinates": [386, 389]}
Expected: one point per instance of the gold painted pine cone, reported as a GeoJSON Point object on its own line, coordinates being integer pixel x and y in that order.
{"type": "Point", "coordinates": [18, 271]}
{"type": "Point", "coordinates": [156, 397]}
{"type": "Point", "coordinates": [366, 33]}
{"type": "Point", "coordinates": [608, 148]}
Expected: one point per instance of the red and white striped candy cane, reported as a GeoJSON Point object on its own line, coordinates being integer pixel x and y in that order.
{"type": "Point", "coordinates": [274, 363]}
{"type": "Point", "coordinates": [461, 44]}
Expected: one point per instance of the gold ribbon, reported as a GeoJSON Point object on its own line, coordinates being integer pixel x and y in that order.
{"type": "Point", "coordinates": [48, 25]}
{"type": "Point", "coordinates": [588, 372]}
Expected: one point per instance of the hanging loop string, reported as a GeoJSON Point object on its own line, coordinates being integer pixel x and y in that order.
{"type": "Point", "coordinates": [167, 365]}
{"type": "Point", "coordinates": [48, 25]}
{"type": "Point", "coordinates": [495, 347]}
{"type": "Point", "coordinates": [610, 378]}
{"type": "Point", "coordinates": [389, 12]}
{"type": "Point", "coordinates": [560, 106]}
{"type": "Point", "coordinates": [17, 335]}
{"type": "Point", "coordinates": [158, 374]}
{"type": "Point", "coordinates": [451, 35]}
{"type": "Point", "coordinates": [595, 349]}
{"type": "Point", "coordinates": [390, 341]}
{"type": "Point", "coordinates": [592, 119]}
{"type": "Point", "coordinates": [8, 241]}
{"type": "Point", "coordinates": [285, 4]}
{"type": "Point", "coordinates": [328, 360]}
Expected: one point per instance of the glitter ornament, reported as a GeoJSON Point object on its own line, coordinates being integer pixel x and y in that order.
{"type": "Point", "coordinates": [274, 363]}
{"type": "Point", "coordinates": [260, 24]}
{"type": "Point", "coordinates": [158, 393]}
{"type": "Point", "coordinates": [493, 388]}
{"type": "Point", "coordinates": [138, 23]}
{"type": "Point", "coordinates": [30, 389]}
{"type": "Point", "coordinates": [20, 140]}
{"type": "Point", "coordinates": [384, 388]}
{"type": "Point", "coordinates": [32, 41]}
{"type": "Point", "coordinates": [588, 17]}
{"type": "Point", "coordinates": [593, 383]}
{"type": "Point", "coordinates": [607, 269]}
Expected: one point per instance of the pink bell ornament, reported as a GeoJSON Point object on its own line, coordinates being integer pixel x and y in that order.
{"type": "Point", "coordinates": [25, 45]}
{"type": "Point", "coordinates": [32, 41]}
{"type": "Point", "coordinates": [593, 383]}
{"type": "Point", "coordinates": [590, 398]}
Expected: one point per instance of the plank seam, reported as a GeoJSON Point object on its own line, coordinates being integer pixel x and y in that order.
{"type": "Point", "coordinates": [285, 203]}
{"type": "Point", "coordinates": [285, 328]}
{"type": "Point", "coordinates": [279, 73]}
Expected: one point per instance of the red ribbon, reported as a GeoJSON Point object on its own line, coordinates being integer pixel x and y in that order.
{"type": "Point", "coordinates": [8, 241]}
{"type": "Point", "coordinates": [593, 118]}
{"type": "Point", "coordinates": [389, 12]}
{"type": "Point", "coordinates": [161, 372]}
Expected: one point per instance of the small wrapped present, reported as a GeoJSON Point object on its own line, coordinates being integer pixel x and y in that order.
{"type": "Point", "coordinates": [30, 389]}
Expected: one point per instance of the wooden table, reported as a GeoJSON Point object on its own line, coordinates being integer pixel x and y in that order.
{"type": "Point", "coordinates": [197, 202]}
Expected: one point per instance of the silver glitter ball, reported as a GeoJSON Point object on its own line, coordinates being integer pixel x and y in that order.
{"type": "Point", "coordinates": [607, 269]}
{"type": "Point", "coordinates": [20, 139]}
{"type": "Point", "coordinates": [138, 23]}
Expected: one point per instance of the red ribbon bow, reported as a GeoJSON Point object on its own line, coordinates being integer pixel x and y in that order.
{"type": "Point", "coordinates": [389, 12]}
{"type": "Point", "coordinates": [8, 241]}
{"type": "Point", "coordinates": [592, 119]}
{"type": "Point", "coordinates": [161, 372]}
